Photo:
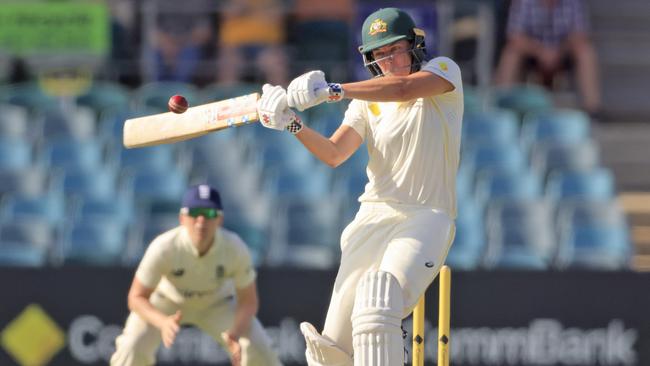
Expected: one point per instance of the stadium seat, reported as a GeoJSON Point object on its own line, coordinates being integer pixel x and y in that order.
{"type": "Point", "coordinates": [96, 243]}
{"type": "Point", "coordinates": [72, 154]}
{"type": "Point", "coordinates": [161, 185]}
{"type": "Point", "coordinates": [497, 126]}
{"type": "Point", "coordinates": [557, 125]}
{"type": "Point", "coordinates": [31, 181]}
{"type": "Point", "coordinates": [18, 255]}
{"type": "Point", "coordinates": [217, 92]}
{"type": "Point", "coordinates": [523, 98]}
{"type": "Point", "coordinates": [28, 95]}
{"type": "Point", "coordinates": [468, 248]}
{"type": "Point", "coordinates": [105, 97]}
{"type": "Point", "coordinates": [92, 183]}
{"type": "Point", "coordinates": [15, 153]}
{"type": "Point", "coordinates": [520, 229]}
{"type": "Point", "coordinates": [594, 184]}
{"type": "Point", "coordinates": [500, 185]}
{"type": "Point", "coordinates": [578, 156]}
{"type": "Point", "coordinates": [154, 158]}
{"type": "Point", "coordinates": [313, 183]}
{"type": "Point", "coordinates": [50, 207]}
{"type": "Point", "coordinates": [494, 156]}
{"type": "Point", "coordinates": [14, 123]}
{"type": "Point", "coordinates": [79, 123]}
{"type": "Point", "coordinates": [115, 208]}
{"type": "Point", "coordinates": [29, 232]}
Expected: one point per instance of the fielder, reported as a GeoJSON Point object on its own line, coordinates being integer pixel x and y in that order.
{"type": "Point", "coordinates": [409, 114]}
{"type": "Point", "coordinates": [197, 273]}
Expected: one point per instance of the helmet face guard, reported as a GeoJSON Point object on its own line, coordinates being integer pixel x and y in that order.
{"type": "Point", "coordinates": [417, 50]}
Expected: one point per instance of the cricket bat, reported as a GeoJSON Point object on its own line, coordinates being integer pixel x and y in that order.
{"type": "Point", "coordinates": [166, 128]}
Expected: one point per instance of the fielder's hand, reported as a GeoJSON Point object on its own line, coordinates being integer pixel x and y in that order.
{"type": "Point", "coordinates": [233, 347]}
{"type": "Point", "coordinates": [170, 328]}
{"type": "Point", "coordinates": [272, 108]}
{"type": "Point", "coordinates": [311, 89]}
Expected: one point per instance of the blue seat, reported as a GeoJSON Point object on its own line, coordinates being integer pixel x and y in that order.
{"type": "Point", "coordinates": [499, 185]}
{"type": "Point", "coordinates": [488, 156]}
{"type": "Point", "coordinates": [156, 95]}
{"type": "Point", "coordinates": [154, 158]}
{"type": "Point", "coordinates": [79, 123]}
{"type": "Point", "coordinates": [493, 126]}
{"type": "Point", "coordinates": [96, 243]}
{"type": "Point", "coordinates": [521, 229]}
{"type": "Point", "coordinates": [163, 185]}
{"type": "Point", "coordinates": [28, 95]}
{"type": "Point", "coordinates": [110, 207]}
{"type": "Point", "coordinates": [72, 154]}
{"type": "Point", "coordinates": [523, 98]}
{"type": "Point", "coordinates": [469, 243]}
{"type": "Point", "coordinates": [98, 183]}
{"type": "Point", "coordinates": [579, 156]}
{"type": "Point", "coordinates": [557, 125]}
{"type": "Point", "coordinates": [105, 97]}
{"type": "Point", "coordinates": [313, 183]}
{"type": "Point", "coordinates": [593, 234]}
{"type": "Point", "coordinates": [18, 255]}
{"type": "Point", "coordinates": [32, 181]}
{"type": "Point", "coordinates": [49, 207]}
{"type": "Point", "coordinates": [217, 92]}
{"type": "Point", "coordinates": [594, 184]}
{"type": "Point", "coordinates": [15, 153]}
{"type": "Point", "coordinates": [14, 123]}
{"type": "Point", "coordinates": [30, 232]}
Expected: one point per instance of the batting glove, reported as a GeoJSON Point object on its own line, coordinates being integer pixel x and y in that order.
{"type": "Point", "coordinates": [311, 89]}
{"type": "Point", "coordinates": [272, 108]}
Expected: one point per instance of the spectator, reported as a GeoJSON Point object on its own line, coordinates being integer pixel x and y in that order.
{"type": "Point", "coordinates": [181, 39]}
{"type": "Point", "coordinates": [251, 38]}
{"type": "Point", "coordinates": [548, 32]}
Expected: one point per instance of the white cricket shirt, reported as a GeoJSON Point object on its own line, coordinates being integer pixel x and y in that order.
{"type": "Point", "coordinates": [413, 147]}
{"type": "Point", "coordinates": [172, 265]}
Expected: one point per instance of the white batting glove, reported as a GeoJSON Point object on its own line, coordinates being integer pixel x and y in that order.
{"type": "Point", "coordinates": [311, 89]}
{"type": "Point", "coordinates": [272, 108]}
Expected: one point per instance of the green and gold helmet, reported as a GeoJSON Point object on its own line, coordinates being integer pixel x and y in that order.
{"type": "Point", "coordinates": [386, 26]}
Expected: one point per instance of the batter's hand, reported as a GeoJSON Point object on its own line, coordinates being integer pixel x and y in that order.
{"type": "Point", "coordinates": [170, 328]}
{"type": "Point", "coordinates": [272, 108]}
{"type": "Point", "coordinates": [308, 90]}
{"type": "Point", "coordinates": [233, 347]}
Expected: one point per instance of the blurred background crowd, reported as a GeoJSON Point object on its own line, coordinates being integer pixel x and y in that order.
{"type": "Point", "coordinates": [554, 171]}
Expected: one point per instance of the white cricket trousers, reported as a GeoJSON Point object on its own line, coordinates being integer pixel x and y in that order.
{"type": "Point", "coordinates": [138, 343]}
{"type": "Point", "coordinates": [410, 242]}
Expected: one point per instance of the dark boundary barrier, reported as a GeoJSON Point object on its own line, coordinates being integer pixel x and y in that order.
{"type": "Point", "coordinates": [498, 318]}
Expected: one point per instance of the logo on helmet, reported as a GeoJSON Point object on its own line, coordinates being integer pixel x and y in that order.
{"type": "Point", "coordinates": [377, 26]}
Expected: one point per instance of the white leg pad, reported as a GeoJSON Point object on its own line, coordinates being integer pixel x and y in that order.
{"type": "Point", "coordinates": [322, 351]}
{"type": "Point", "coordinates": [376, 321]}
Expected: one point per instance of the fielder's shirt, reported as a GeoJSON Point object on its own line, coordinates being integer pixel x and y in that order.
{"type": "Point", "coordinates": [413, 147]}
{"type": "Point", "coordinates": [173, 267]}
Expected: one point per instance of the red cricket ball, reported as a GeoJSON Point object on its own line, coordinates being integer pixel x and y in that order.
{"type": "Point", "coordinates": [177, 104]}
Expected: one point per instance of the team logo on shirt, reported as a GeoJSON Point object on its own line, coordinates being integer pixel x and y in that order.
{"type": "Point", "coordinates": [220, 272]}
{"type": "Point", "coordinates": [178, 272]}
{"type": "Point", "coordinates": [377, 26]}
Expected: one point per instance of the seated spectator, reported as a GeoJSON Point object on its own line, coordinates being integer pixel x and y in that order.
{"type": "Point", "coordinates": [548, 33]}
{"type": "Point", "coordinates": [183, 32]}
{"type": "Point", "coordinates": [251, 39]}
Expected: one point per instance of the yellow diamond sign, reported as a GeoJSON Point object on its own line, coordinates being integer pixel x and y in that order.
{"type": "Point", "coordinates": [33, 338]}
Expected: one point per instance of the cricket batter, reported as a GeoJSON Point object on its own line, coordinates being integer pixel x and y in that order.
{"type": "Point", "coordinates": [197, 273]}
{"type": "Point", "coordinates": [409, 114]}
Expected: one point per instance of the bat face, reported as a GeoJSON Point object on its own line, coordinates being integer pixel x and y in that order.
{"type": "Point", "coordinates": [165, 128]}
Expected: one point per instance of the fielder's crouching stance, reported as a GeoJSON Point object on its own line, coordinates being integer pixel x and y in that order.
{"type": "Point", "coordinates": [409, 114]}
{"type": "Point", "coordinates": [200, 274]}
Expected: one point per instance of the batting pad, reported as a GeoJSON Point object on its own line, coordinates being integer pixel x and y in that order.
{"type": "Point", "coordinates": [376, 321]}
{"type": "Point", "coordinates": [322, 351]}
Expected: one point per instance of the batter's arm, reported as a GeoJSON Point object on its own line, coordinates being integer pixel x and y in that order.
{"type": "Point", "coordinates": [335, 150]}
{"type": "Point", "coordinates": [398, 88]}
